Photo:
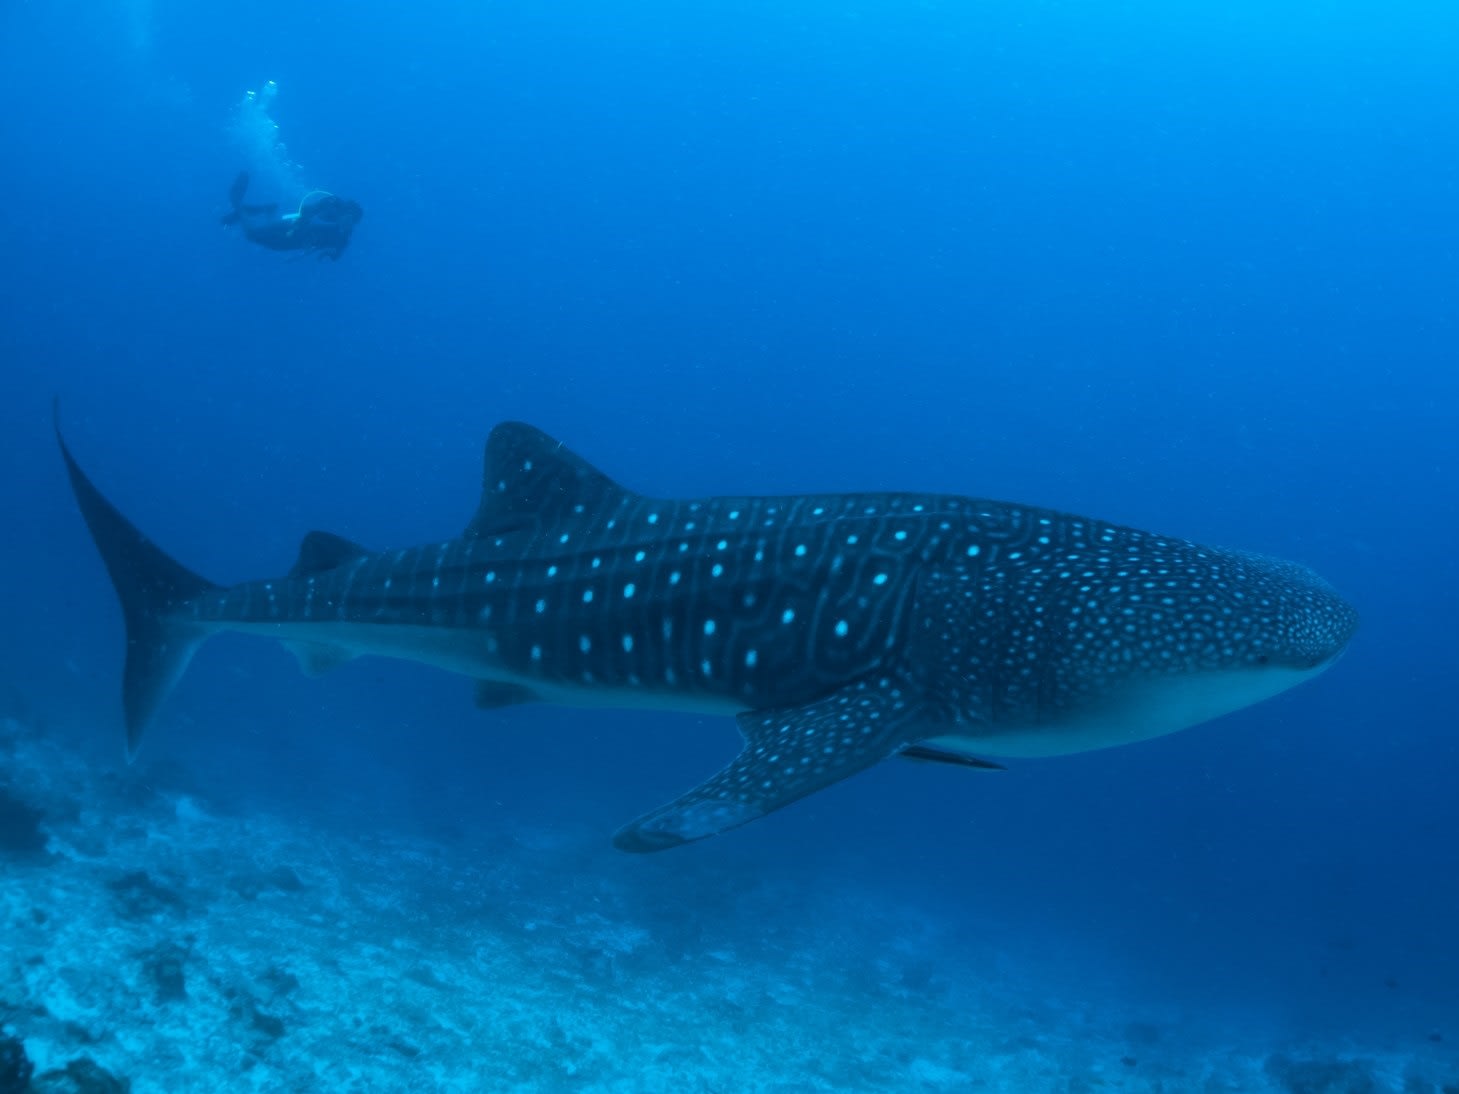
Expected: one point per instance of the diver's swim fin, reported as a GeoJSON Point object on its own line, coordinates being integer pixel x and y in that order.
{"type": "Point", "coordinates": [238, 189]}
{"type": "Point", "coordinates": [236, 193]}
{"type": "Point", "coordinates": [235, 199]}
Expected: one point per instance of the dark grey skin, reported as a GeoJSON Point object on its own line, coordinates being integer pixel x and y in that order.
{"type": "Point", "coordinates": [839, 629]}
{"type": "Point", "coordinates": [322, 226]}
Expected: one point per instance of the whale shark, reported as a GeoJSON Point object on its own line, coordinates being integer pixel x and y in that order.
{"type": "Point", "coordinates": [839, 630]}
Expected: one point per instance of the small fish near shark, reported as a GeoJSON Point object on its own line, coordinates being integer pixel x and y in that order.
{"type": "Point", "coordinates": [839, 630]}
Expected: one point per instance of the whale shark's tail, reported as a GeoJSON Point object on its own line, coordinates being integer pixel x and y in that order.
{"type": "Point", "coordinates": [151, 586]}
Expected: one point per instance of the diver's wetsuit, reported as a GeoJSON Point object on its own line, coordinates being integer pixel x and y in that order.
{"type": "Point", "coordinates": [323, 223]}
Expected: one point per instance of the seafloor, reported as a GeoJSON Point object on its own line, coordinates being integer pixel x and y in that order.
{"type": "Point", "coordinates": [152, 939]}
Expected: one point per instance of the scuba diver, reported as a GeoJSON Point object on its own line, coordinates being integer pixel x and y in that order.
{"type": "Point", "coordinates": [322, 224]}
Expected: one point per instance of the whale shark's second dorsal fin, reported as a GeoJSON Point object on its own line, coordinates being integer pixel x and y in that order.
{"type": "Point", "coordinates": [531, 481]}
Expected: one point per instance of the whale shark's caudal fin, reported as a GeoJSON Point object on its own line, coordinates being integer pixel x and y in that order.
{"type": "Point", "coordinates": [150, 586]}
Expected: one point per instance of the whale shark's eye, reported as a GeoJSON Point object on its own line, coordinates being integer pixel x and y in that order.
{"type": "Point", "coordinates": [1261, 659]}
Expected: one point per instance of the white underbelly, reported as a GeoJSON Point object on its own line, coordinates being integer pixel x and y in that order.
{"type": "Point", "coordinates": [1151, 708]}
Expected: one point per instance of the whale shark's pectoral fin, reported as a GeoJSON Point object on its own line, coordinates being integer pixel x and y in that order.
{"type": "Point", "coordinates": [788, 754]}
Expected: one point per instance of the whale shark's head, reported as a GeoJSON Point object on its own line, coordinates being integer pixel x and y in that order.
{"type": "Point", "coordinates": [1272, 625]}
{"type": "Point", "coordinates": [1138, 636]}
{"type": "Point", "coordinates": [1270, 614]}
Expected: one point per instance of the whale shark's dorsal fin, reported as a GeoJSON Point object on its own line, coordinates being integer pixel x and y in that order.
{"type": "Point", "coordinates": [323, 551]}
{"type": "Point", "coordinates": [531, 480]}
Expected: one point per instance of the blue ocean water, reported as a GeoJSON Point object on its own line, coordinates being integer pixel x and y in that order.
{"type": "Point", "coordinates": [1188, 267]}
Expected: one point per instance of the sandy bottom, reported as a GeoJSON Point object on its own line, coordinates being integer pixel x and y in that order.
{"type": "Point", "coordinates": [183, 949]}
